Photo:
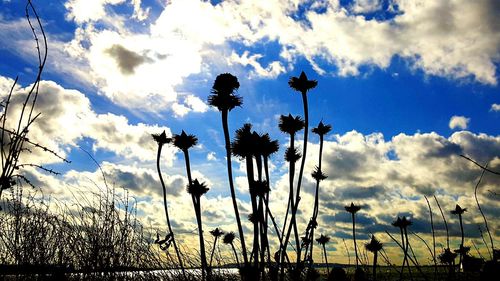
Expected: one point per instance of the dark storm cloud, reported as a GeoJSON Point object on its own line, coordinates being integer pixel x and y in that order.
{"type": "Point", "coordinates": [127, 60]}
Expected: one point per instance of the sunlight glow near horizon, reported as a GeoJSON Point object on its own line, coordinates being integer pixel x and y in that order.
{"type": "Point", "coordinates": [392, 81]}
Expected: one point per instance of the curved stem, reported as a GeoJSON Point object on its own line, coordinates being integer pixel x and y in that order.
{"type": "Point", "coordinates": [231, 185]}
{"type": "Point", "coordinates": [301, 171]}
{"type": "Point", "coordinates": [481, 211]}
{"type": "Point", "coordinates": [165, 205]}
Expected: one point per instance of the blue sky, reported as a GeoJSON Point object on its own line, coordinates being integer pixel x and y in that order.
{"type": "Point", "coordinates": [398, 80]}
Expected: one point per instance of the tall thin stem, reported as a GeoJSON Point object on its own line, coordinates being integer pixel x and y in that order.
{"type": "Point", "coordinates": [481, 211]}
{"type": "Point", "coordinates": [166, 212]}
{"type": "Point", "coordinates": [433, 238]}
{"type": "Point", "coordinates": [231, 185]}
{"type": "Point", "coordinates": [354, 238]}
{"type": "Point", "coordinates": [445, 223]}
{"type": "Point", "coordinates": [197, 209]}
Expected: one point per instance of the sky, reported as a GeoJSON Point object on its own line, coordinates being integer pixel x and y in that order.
{"type": "Point", "coordinates": [407, 86]}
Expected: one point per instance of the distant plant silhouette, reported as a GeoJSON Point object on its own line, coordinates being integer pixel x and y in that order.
{"type": "Point", "coordinates": [229, 239]}
{"type": "Point", "coordinates": [323, 240]}
{"type": "Point", "coordinates": [402, 224]}
{"type": "Point", "coordinates": [224, 98]}
{"type": "Point", "coordinates": [162, 139]}
{"type": "Point", "coordinates": [353, 209]}
{"type": "Point", "coordinates": [459, 211]}
{"type": "Point", "coordinates": [374, 246]}
{"type": "Point", "coordinates": [216, 233]}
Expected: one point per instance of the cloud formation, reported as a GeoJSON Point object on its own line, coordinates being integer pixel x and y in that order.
{"type": "Point", "coordinates": [146, 68]}
{"type": "Point", "coordinates": [459, 122]}
{"type": "Point", "coordinates": [67, 117]}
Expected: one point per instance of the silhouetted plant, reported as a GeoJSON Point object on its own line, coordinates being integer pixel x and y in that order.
{"type": "Point", "coordinates": [484, 169]}
{"type": "Point", "coordinates": [374, 246]}
{"type": "Point", "coordinates": [268, 147]}
{"type": "Point", "coordinates": [290, 125]}
{"type": "Point", "coordinates": [161, 140]}
{"type": "Point", "coordinates": [459, 211]}
{"type": "Point", "coordinates": [318, 175]}
{"type": "Point", "coordinates": [196, 189]}
{"type": "Point", "coordinates": [244, 146]}
{"type": "Point", "coordinates": [14, 141]}
{"type": "Point", "coordinates": [433, 253]}
{"type": "Point", "coordinates": [301, 84]}
{"type": "Point", "coordinates": [353, 209]}
{"type": "Point", "coordinates": [323, 240]}
{"type": "Point", "coordinates": [216, 233]}
{"type": "Point", "coordinates": [224, 98]}
{"type": "Point", "coordinates": [229, 239]}
{"type": "Point", "coordinates": [402, 224]}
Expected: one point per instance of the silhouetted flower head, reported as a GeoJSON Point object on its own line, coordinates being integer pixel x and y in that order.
{"type": "Point", "coordinates": [161, 139]}
{"type": "Point", "coordinates": [292, 154]}
{"type": "Point", "coordinates": [225, 84]}
{"type": "Point", "coordinates": [197, 189]}
{"type": "Point", "coordinates": [243, 144]}
{"type": "Point", "coordinates": [185, 141]}
{"type": "Point", "coordinates": [228, 238]}
{"type": "Point", "coordinates": [267, 146]}
{"type": "Point", "coordinates": [259, 188]}
{"type": "Point", "coordinates": [458, 210]}
{"type": "Point", "coordinates": [318, 175]}
{"type": "Point", "coordinates": [305, 241]}
{"type": "Point", "coordinates": [217, 232]}
{"type": "Point", "coordinates": [447, 257]}
{"type": "Point", "coordinates": [253, 218]}
{"type": "Point", "coordinates": [374, 245]}
{"type": "Point", "coordinates": [312, 223]}
{"type": "Point", "coordinates": [322, 129]}
{"type": "Point", "coordinates": [352, 208]}
{"type": "Point", "coordinates": [291, 125]}
{"type": "Point", "coordinates": [302, 84]}
{"type": "Point", "coordinates": [401, 222]}
{"type": "Point", "coordinates": [223, 96]}
{"type": "Point", "coordinates": [323, 239]}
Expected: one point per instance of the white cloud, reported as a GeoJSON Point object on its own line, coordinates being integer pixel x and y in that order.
{"type": "Point", "coordinates": [211, 156]}
{"type": "Point", "coordinates": [67, 117]}
{"type": "Point", "coordinates": [454, 39]}
{"type": "Point", "coordinates": [495, 107]}
{"type": "Point", "coordinates": [274, 68]}
{"type": "Point", "coordinates": [366, 6]}
{"type": "Point", "coordinates": [459, 41]}
{"type": "Point", "coordinates": [459, 122]}
{"type": "Point", "coordinates": [83, 10]}
{"type": "Point", "coordinates": [196, 104]}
